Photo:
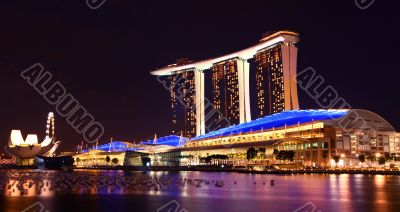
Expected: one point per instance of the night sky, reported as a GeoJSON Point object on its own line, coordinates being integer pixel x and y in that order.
{"type": "Point", "coordinates": [103, 57]}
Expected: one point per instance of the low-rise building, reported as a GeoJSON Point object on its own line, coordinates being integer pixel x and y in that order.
{"type": "Point", "coordinates": [322, 138]}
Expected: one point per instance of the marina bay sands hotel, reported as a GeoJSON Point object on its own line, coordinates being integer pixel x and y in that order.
{"type": "Point", "coordinates": [224, 107]}
{"type": "Point", "coordinates": [275, 64]}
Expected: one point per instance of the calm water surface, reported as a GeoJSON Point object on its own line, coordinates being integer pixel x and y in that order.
{"type": "Point", "coordinates": [195, 191]}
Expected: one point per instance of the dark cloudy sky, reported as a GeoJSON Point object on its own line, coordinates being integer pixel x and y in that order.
{"type": "Point", "coordinates": [103, 57]}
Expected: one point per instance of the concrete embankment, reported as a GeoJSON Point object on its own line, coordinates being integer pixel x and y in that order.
{"type": "Point", "coordinates": [243, 170]}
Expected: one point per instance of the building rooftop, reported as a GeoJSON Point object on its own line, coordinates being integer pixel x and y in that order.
{"type": "Point", "coordinates": [286, 118]}
{"type": "Point", "coordinates": [145, 146]}
{"type": "Point", "coordinates": [112, 146]}
{"type": "Point", "coordinates": [267, 41]}
{"type": "Point", "coordinates": [171, 140]}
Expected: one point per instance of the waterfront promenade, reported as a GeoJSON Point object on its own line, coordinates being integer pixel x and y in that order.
{"type": "Point", "coordinates": [246, 170]}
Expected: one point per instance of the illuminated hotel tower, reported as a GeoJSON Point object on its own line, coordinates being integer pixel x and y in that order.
{"type": "Point", "coordinates": [275, 56]}
{"type": "Point", "coordinates": [225, 89]}
{"type": "Point", "coordinates": [276, 79]}
{"type": "Point", "coordinates": [182, 94]}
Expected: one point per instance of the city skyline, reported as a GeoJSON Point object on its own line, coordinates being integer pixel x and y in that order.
{"type": "Point", "coordinates": [99, 70]}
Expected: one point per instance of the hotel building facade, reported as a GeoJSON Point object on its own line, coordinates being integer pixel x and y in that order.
{"type": "Point", "coordinates": [225, 89]}
{"type": "Point", "coordinates": [276, 67]}
{"type": "Point", "coordinates": [182, 97]}
{"type": "Point", "coordinates": [318, 138]}
{"type": "Point", "coordinates": [276, 79]}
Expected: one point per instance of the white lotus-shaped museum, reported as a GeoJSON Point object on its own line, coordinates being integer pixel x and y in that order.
{"type": "Point", "coordinates": [30, 147]}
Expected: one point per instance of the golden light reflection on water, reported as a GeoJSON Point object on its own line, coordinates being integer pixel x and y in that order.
{"type": "Point", "coordinates": [379, 185]}
{"type": "Point", "coordinates": [358, 188]}
{"type": "Point", "coordinates": [28, 187]}
{"type": "Point", "coordinates": [33, 183]}
{"type": "Point", "coordinates": [339, 191]}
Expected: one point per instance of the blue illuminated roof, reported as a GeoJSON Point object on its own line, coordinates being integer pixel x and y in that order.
{"type": "Point", "coordinates": [288, 118]}
{"type": "Point", "coordinates": [117, 146]}
{"type": "Point", "coordinates": [171, 140]}
{"type": "Point", "coordinates": [113, 146]}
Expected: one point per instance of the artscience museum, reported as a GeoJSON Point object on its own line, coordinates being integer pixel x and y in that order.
{"type": "Point", "coordinates": [26, 149]}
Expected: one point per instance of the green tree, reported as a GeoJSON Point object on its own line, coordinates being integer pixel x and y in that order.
{"type": "Point", "coordinates": [251, 153]}
{"type": "Point", "coordinates": [217, 158]}
{"type": "Point", "coordinates": [275, 153]}
{"type": "Point", "coordinates": [115, 160]}
{"type": "Point", "coordinates": [284, 155]}
{"type": "Point", "coordinates": [280, 155]}
{"type": "Point", "coordinates": [208, 159]}
{"type": "Point", "coordinates": [336, 159]}
{"type": "Point", "coordinates": [382, 161]}
{"type": "Point", "coordinates": [261, 152]}
{"type": "Point", "coordinates": [371, 158]}
{"type": "Point", "coordinates": [361, 158]}
{"type": "Point", "coordinates": [290, 155]}
{"type": "Point", "coordinates": [108, 159]}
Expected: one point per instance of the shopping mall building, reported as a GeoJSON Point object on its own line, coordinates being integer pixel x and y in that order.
{"type": "Point", "coordinates": [315, 136]}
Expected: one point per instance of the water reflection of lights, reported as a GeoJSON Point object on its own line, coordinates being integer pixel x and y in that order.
{"type": "Point", "coordinates": [379, 180]}
{"type": "Point", "coordinates": [28, 187]}
{"type": "Point", "coordinates": [339, 187]}
{"type": "Point", "coordinates": [185, 190]}
{"type": "Point", "coordinates": [100, 182]}
{"type": "Point", "coordinates": [344, 191]}
{"type": "Point", "coordinates": [46, 190]}
{"type": "Point", "coordinates": [379, 184]}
